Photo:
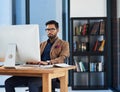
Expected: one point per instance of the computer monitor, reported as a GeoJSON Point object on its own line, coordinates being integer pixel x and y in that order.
{"type": "Point", "coordinates": [21, 40]}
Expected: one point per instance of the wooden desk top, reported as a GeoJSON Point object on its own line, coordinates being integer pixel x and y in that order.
{"type": "Point", "coordinates": [32, 71]}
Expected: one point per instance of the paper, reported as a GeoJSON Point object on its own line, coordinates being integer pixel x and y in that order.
{"type": "Point", "coordinates": [61, 65]}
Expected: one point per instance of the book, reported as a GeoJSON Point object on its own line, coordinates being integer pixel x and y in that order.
{"type": "Point", "coordinates": [93, 66]}
{"type": "Point", "coordinates": [84, 30]}
{"type": "Point", "coordinates": [74, 46]}
{"type": "Point", "coordinates": [77, 31]}
{"type": "Point", "coordinates": [80, 29]}
{"type": "Point", "coordinates": [77, 65]}
{"type": "Point", "coordinates": [95, 45]}
{"type": "Point", "coordinates": [102, 27]}
{"type": "Point", "coordinates": [82, 67]}
{"type": "Point", "coordinates": [95, 28]}
{"type": "Point", "coordinates": [84, 46]}
{"type": "Point", "coordinates": [101, 48]}
{"type": "Point", "coordinates": [100, 66]}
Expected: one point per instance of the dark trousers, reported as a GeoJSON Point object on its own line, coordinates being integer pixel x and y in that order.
{"type": "Point", "coordinates": [34, 83]}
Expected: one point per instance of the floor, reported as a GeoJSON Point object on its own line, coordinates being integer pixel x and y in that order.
{"type": "Point", "coordinates": [57, 90]}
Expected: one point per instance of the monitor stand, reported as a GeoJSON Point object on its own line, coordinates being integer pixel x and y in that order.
{"type": "Point", "coordinates": [10, 56]}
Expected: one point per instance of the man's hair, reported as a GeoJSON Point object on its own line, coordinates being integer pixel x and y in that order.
{"type": "Point", "coordinates": [53, 22]}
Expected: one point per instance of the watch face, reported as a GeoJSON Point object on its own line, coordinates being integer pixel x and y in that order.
{"type": "Point", "coordinates": [48, 61]}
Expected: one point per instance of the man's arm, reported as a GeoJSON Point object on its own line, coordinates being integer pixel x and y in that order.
{"type": "Point", "coordinates": [59, 53]}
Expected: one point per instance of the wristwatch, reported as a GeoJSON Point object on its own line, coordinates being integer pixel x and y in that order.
{"type": "Point", "coordinates": [48, 62]}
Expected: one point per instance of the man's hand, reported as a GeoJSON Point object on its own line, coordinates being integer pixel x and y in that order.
{"type": "Point", "coordinates": [34, 62]}
{"type": "Point", "coordinates": [43, 63]}
{"type": "Point", "coordinates": [37, 62]}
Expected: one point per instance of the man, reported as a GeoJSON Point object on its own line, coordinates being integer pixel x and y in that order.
{"type": "Point", "coordinates": [53, 51]}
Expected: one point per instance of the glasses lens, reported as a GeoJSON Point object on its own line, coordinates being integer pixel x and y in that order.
{"type": "Point", "coordinates": [50, 29]}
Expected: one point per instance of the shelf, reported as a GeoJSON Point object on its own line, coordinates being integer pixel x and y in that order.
{"type": "Point", "coordinates": [88, 53]}
{"type": "Point", "coordinates": [89, 41]}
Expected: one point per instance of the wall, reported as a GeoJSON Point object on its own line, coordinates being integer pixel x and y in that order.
{"type": "Point", "coordinates": [5, 19]}
{"type": "Point", "coordinates": [118, 8]}
{"type": "Point", "coordinates": [20, 16]}
{"type": "Point", "coordinates": [42, 11]}
{"type": "Point", "coordinates": [88, 8]}
{"type": "Point", "coordinates": [5, 12]}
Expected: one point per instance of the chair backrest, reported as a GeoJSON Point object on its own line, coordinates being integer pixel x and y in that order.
{"type": "Point", "coordinates": [66, 60]}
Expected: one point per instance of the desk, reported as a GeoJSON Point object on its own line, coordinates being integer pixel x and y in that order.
{"type": "Point", "coordinates": [46, 74]}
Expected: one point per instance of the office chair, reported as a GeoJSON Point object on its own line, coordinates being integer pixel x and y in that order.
{"type": "Point", "coordinates": [55, 84]}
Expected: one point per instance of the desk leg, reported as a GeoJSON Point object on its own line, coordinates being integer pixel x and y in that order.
{"type": "Point", "coordinates": [46, 83]}
{"type": "Point", "coordinates": [64, 83]}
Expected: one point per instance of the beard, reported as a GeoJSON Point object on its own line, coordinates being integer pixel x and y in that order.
{"type": "Point", "coordinates": [51, 36]}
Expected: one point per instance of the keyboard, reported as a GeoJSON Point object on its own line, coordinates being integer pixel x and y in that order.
{"type": "Point", "coordinates": [41, 66]}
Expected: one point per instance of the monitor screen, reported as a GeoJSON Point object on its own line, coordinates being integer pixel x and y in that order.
{"type": "Point", "coordinates": [26, 38]}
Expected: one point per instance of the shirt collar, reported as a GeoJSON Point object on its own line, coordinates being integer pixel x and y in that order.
{"type": "Point", "coordinates": [53, 40]}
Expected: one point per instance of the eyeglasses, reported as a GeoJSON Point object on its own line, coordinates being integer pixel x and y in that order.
{"type": "Point", "coordinates": [50, 29]}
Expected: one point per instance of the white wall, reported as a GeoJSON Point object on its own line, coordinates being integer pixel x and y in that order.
{"type": "Point", "coordinates": [118, 8]}
{"type": "Point", "coordinates": [88, 8]}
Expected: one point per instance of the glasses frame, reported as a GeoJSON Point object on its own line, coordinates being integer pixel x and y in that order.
{"type": "Point", "coordinates": [50, 29]}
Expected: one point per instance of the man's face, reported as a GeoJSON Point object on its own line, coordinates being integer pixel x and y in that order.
{"type": "Point", "coordinates": [51, 31]}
